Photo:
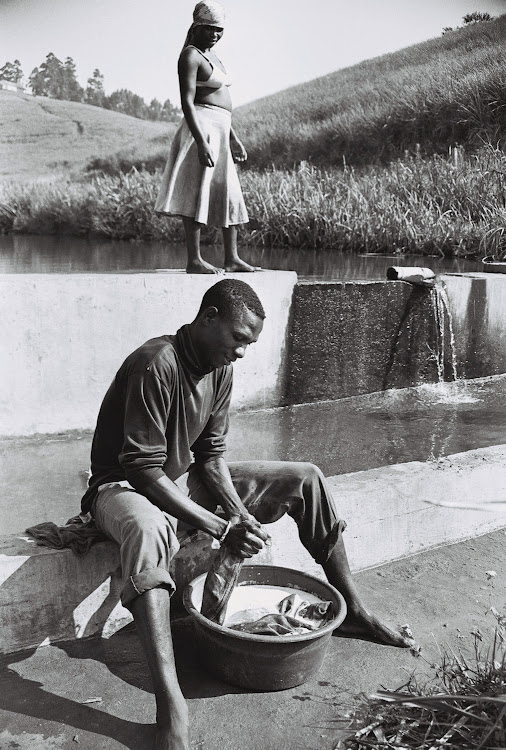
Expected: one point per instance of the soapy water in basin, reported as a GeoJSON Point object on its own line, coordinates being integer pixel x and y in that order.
{"type": "Point", "coordinates": [254, 597]}
{"type": "Point", "coordinates": [249, 603]}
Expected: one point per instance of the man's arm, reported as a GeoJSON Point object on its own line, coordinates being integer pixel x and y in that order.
{"type": "Point", "coordinates": [215, 475]}
{"type": "Point", "coordinates": [245, 536]}
{"type": "Point", "coordinates": [145, 452]}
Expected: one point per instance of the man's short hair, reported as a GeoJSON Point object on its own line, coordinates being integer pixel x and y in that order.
{"type": "Point", "coordinates": [230, 297]}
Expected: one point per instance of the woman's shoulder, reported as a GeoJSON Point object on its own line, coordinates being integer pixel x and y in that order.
{"type": "Point", "coordinates": [190, 53]}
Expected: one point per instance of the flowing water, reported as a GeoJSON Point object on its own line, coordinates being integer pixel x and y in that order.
{"type": "Point", "coordinates": [445, 337]}
{"type": "Point", "coordinates": [425, 423]}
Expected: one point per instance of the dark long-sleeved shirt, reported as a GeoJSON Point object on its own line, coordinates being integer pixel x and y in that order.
{"type": "Point", "coordinates": [161, 408]}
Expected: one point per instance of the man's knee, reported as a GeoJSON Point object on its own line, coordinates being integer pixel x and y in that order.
{"type": "Point", "coordinates": [306, 471]}
{"type": "Point", "coordinates": [151, 531]}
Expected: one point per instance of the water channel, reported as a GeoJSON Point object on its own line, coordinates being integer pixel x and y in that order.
{"type": "Point", "coordinates": [57, 254]}
{"type": "Point", "coordinates": [41, 474]}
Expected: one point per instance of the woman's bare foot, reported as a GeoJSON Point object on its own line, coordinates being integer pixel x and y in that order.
{"type": "Point", "coordinates": [240, 266]}
{"type": "Point", "coordinates": [202, 266]}
{"type": "Point", "coordinates": [368, 627]}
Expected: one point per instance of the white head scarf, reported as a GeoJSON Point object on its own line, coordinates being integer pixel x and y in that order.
{"type": "Point", "coordinates": [209, 13]}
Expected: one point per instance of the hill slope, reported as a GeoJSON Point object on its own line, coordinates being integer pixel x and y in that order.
{"type": "Point", "coordinates": [40, 136]}
{"type": "Point", "coordinates": [446, 91]}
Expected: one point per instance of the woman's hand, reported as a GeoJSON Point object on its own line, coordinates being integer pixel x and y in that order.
{"type": "Point", "coordinates": [246, 536]}
{"type": "Point", "coordinates": [205, 154]}
{"type": "Point", "coordinates": [239, 153]}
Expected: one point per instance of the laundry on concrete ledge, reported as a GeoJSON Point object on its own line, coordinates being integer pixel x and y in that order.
{"type": "Point", "coordinates": [78, 534]}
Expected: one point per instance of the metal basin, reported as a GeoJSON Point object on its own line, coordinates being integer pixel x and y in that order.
{"type": "Point", "coordinates": [262, 662]}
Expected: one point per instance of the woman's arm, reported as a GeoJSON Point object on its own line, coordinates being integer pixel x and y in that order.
{"type": "Point", "coordinates": [188, 67]}
{"type": "Point", "coordinates": [236, 146]}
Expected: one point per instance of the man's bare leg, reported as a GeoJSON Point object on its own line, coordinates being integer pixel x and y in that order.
{"type": "Point", "coordinates": [232, 261]}
{"type": "Point", "coordinates": [195, 264]}
{"type": "Point", "coordinates": [359, 623]}
{"type": "Point", "coordinates": [151, 612]}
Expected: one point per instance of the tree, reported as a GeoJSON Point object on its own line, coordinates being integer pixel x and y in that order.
{"type": "Point", "coordinates": [12, 71]}
{"type": "Point", "coordinates": [127, 102]}
{"type": "Point", "coordinates": [49, 78]}
{"type": "Point", "coordinates": [71, 90]}
{"type": "Point", "coordinates": [155, 110]}
{"type": "Point", "coordinates": [476, 17]}
{"type": "Point", "coordinates": [95, 93]}
{"type": "Point", "coordinates": [170, 112]}
{"type": "Point", "coordinates": [37, 83]}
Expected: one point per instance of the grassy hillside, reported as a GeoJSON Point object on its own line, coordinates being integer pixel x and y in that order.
{"type": "Point", "coordinates": [41, 137]}
{"type": "Point", "coordinates": [446, 91]}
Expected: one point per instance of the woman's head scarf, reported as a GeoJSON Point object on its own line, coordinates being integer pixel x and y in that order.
{"type": "Point", "coordinates": [209, 13]}
{"type": "Point", "coordinates": [206, 13]}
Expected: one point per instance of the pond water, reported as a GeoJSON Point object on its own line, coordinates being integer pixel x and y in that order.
{"type": "Point", "coordinates": [56, 254]}
{"type": "Point", "coordinates": [353, 434]}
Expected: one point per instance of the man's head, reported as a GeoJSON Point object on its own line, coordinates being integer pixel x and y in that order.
{"type": "Point", "coordinates": [229, 319]}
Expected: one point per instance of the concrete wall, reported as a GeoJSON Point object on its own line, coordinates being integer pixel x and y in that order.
{"type": "Point", "coordinates": [350, 338]}
{"type": "Point", "coordinates": [63, 336]}
{"type": "Point", "coordinates": [478, 307]}
{"type": "Point", "coordinates": [47, 596]}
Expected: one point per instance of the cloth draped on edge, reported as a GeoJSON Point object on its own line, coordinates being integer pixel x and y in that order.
{"type": "Point", "coordinates": [208, 195]}
{"type": "Point", "coordinates": [78, 534]}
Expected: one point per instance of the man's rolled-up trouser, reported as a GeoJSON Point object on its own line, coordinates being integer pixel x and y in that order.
{"type": "Point", "coordinates": [149, 538]}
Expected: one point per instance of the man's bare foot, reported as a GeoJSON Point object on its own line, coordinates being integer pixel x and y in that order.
{"type": "Point", "coordinates": [172, 728]}
{"type": "Point", "coordinates": [368, 627]}
{"type": "Point", "coordinates": [240, 266]}
{"type": "Point", "coordinates": [166, 739]}
{"type": "Point", "coordinates": [202, 266]}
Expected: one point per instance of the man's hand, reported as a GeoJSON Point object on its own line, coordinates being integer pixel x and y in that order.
{"type": "Point", "coordinates": [246, 536]}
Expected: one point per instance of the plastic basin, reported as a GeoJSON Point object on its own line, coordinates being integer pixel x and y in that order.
{"type": "Point", "coordinates": [262, 662]}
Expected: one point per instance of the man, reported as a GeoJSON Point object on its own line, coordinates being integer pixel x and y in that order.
{"type": "Point", "coordinates": [169, 400]}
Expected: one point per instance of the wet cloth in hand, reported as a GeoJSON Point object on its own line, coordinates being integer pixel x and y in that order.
{"type": "Point", "coordinates": [219, 584]}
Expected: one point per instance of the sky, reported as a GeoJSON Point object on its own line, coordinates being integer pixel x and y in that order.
{"type": "Point", "coordinates": [268, 45]}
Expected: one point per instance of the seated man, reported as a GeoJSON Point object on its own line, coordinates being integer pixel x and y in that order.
{"type": "Point", "coordinates": [169, 400]}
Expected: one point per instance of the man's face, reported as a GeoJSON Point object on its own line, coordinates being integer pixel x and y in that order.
{"type": "Point", "coordinates": [226, 339]}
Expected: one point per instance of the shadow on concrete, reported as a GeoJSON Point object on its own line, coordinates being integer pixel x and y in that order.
{"type": "Point", "coordinates": [28, 697]}
{"type": "Point", "coordinates": [123, 657]}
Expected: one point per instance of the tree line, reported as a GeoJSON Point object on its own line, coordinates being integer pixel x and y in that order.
{"type": "Point", "coordinates": [58, 80]}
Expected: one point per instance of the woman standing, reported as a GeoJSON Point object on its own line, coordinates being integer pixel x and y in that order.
{"type": "Point", "coordinates": [200, 181]}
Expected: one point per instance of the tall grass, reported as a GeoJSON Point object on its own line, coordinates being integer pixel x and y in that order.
{"type": "Point", "coordinates": [443, 92]}
{"type": "Point", "coordinates": [443, 205]}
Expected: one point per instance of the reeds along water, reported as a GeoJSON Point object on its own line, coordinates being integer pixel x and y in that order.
{"type": "Point", "coordinates": [445, 337]}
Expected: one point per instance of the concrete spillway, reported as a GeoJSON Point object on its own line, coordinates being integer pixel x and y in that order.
{"type": "Point", "coordinates": [64, 335]}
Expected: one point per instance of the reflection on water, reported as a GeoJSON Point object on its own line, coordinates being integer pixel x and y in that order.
{"type": "Point", "coordinates": [364, 432]}
{"type": "Point", "coordinates": [354, 434]}
{"type": "Point", "coordinates": [48, 254]}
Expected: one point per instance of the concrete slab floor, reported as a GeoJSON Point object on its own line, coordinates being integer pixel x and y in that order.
{"type": "Point", "coordinates": [443, 594]}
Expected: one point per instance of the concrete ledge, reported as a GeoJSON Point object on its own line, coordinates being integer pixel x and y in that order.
{"type": "Point", "coordinates": [49, 596]}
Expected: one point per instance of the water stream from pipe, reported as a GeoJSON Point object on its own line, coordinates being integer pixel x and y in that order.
{"type": "Point", "coordinates": [445, 344]}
